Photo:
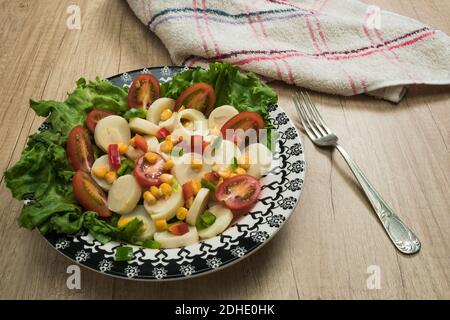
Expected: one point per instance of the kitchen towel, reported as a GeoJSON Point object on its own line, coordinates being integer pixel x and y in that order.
{"type": "Point", "coordinates": [341, 47]}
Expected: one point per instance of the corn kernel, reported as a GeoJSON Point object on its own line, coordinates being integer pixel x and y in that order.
{"type": "Point", "coordinates": [196, 185]}
{"type": "Point", "coordinates": [196, 164]}
{"type": "Point", "coordinates": [161, 224]}
{"type": "Point", "coordinates": [245, 162]}
{"type": "Point", "coordinates": [110, 177]}
{"type": "Point", "coordinates": [100, 171]}
{"type": "Point", "coordinates": [149, 197]}
{"type": "Point", "coordinates": [167, 178]}
{"type": "Point", "coordinates": [166, 189]}
{"type": "Point", "coordinates": [224, 172]}
{"type": "Point", "coordinates": [132, 140]}
{"type": "Point", "coordinates": [166, 114]}
{"type": "Point", "coordinates": [151, 157]}
{"type": "Point", "coordinates": [182, 108]}
{"type": "Point", "coordinates": [240, 171]}
{"type": "Point", "coordinates": [182, 213]}
{"type": "Point", "coordinates": [123, 222]}
{"type": "Point", "coordinates": [156, 192]}
{"type": "Point", "coordinates": [123, 148]}
{"type": "Point", "coordinates": [168, 164]}
{"type": "Point", "coordinates": [166, 146]}
{"type": "Point", "coordinates": [233, 175]}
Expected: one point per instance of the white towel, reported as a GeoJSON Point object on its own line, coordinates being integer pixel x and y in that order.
{"type": "Point", "coordinates": [342, 47]}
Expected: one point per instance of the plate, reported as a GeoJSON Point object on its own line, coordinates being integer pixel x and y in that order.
{"type": "Point", "coordinates": [280, 193]}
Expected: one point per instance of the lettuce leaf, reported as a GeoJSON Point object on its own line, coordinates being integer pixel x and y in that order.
{"type": "Point", "coordinates": [43, 169]}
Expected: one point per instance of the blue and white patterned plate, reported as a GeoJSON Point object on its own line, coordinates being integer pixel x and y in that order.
{"type": "Point", "coordinates": [280, 193]}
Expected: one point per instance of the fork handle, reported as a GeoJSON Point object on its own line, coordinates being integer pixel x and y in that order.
{"type": "Point", "coordinates": [402, 237]}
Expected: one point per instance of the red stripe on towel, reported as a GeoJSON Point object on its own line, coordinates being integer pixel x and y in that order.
{"type": "Point", "coordinates": [199, 29]}
{"type": "Point", "coordinates": [250, 23]}
{"type": "Point", "coordinates": [205, 18]}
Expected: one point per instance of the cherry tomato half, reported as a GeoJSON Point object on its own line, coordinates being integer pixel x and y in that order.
{"type": "Point", "coordinates": [238, 193]}
{"type": "Point", "coordinates": [143, 91]}
{"type": "Point", "coordinates": [179, 229]}
{"type": "Point", "coordinates": [89, 195]}
{"type": "Point", "coordinates": [147, 174]}
{"type": "Point", "coordinates": [95, 116]}
{"type": "Point", "coordinates": [245, 121]}
{"type": "Point", "coordinates": [200, 96]}
{"type": "Point", "coordinates": [79, 149]}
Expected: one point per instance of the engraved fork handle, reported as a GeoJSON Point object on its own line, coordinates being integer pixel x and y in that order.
{"type": "Point", "coordinates": [402, 237]}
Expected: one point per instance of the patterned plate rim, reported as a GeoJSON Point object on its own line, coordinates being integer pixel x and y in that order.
{"type": "Point", "coordinates": [277, 203]}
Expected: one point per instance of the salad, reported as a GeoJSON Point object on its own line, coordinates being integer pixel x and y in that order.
{"type": "Point", "coordinates": [161, 165]}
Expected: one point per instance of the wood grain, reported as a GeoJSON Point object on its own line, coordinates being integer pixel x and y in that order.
{"type": "Point", "coordinates": [324, 250]}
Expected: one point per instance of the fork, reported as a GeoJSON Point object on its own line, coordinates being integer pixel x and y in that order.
{"type": "Point", "coordinates": [321, 135]}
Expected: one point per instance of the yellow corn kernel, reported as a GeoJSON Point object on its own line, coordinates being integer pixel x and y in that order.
{"type": "Point", "coordinates": [245, 162]}
{"type": "Point", "coordinates": [196, 164]}
{"type": "Point", "coordinates": [167, 178]}
{"type": "Point", "coordinates": [182, 213]}
{"type": "Point", "coordinates": [132, 141]}
{"type": "Point", "coordinates": [186, 124]}
{"type": "Point", "coordinates": [224, 172]}
{"type": "Point", "coordinates": [151, 157]}
{"type": "Point", "coordinates": [233, 175]}
{"type": "Point", "coordinates": [196, 185]}
{"type": "Point", "coordinates": [149, 197]}
{"type": "Point", "coordinates": [182, 108]}
{"type": "Point", "coordinates": [168, 164]}
{"type": "Point", "coordinates": [110, 177]}
{"type": "Point", "coordinates": [241, 171]}
{"type": "Point", "coordinates": [123, 222]}
{"type": "Point", "coordinates": [100, 171]}
{"type": "Point", "coordinates": [166, 146]}
{"type": "Point", "coordinates": [166, 114]}
{"type": "Point", "coordinates": [161, 224]}
{"type": "Point", "coordinates": [166, 189]}
{"type": "Point", "coordinates": [123, 148]}
{"type": "Point", "coordinates": [156, 192]}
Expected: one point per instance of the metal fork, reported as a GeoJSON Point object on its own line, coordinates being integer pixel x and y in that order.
{"type": "Point", "coordinates": [314, 125]}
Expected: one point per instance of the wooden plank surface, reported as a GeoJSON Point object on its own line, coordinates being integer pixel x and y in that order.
{"type": "Point", "coordinates": [332, 238]}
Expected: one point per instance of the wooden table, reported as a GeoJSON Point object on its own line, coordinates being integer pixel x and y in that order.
{"type": "Point", "coordinates": [325, 249]}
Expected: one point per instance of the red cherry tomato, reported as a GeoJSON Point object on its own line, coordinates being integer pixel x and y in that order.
{"type": "Point", "coordinates": [140, 143]}
{"type": "Point", "coordinates": [200, 96]}
{"type": "Point", "coordinates": [95, 116]}
{"type": "Point", "coordinates": [79, 149]}
{"type": "Point", "coordinates": [162, 133]}
{"type": "Point", "coordinates": [114, 156]}
{"type": "Point", "coordinates": [90, 196]}
{"type": "Point", "coordinates": [212, 177]}
{"type": "Point", "coordinates": [143, 91]}
{"type": "Point", "coordinates": [147, 174]}
{"type": "Point", "coordinates": [188, 191]}
{"type": "Point", "coordinates": [179, 229]}
{"type": "Point", "coordinates": [244, 121]}
{"type": "Point", "coordinates": [238, 193]}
